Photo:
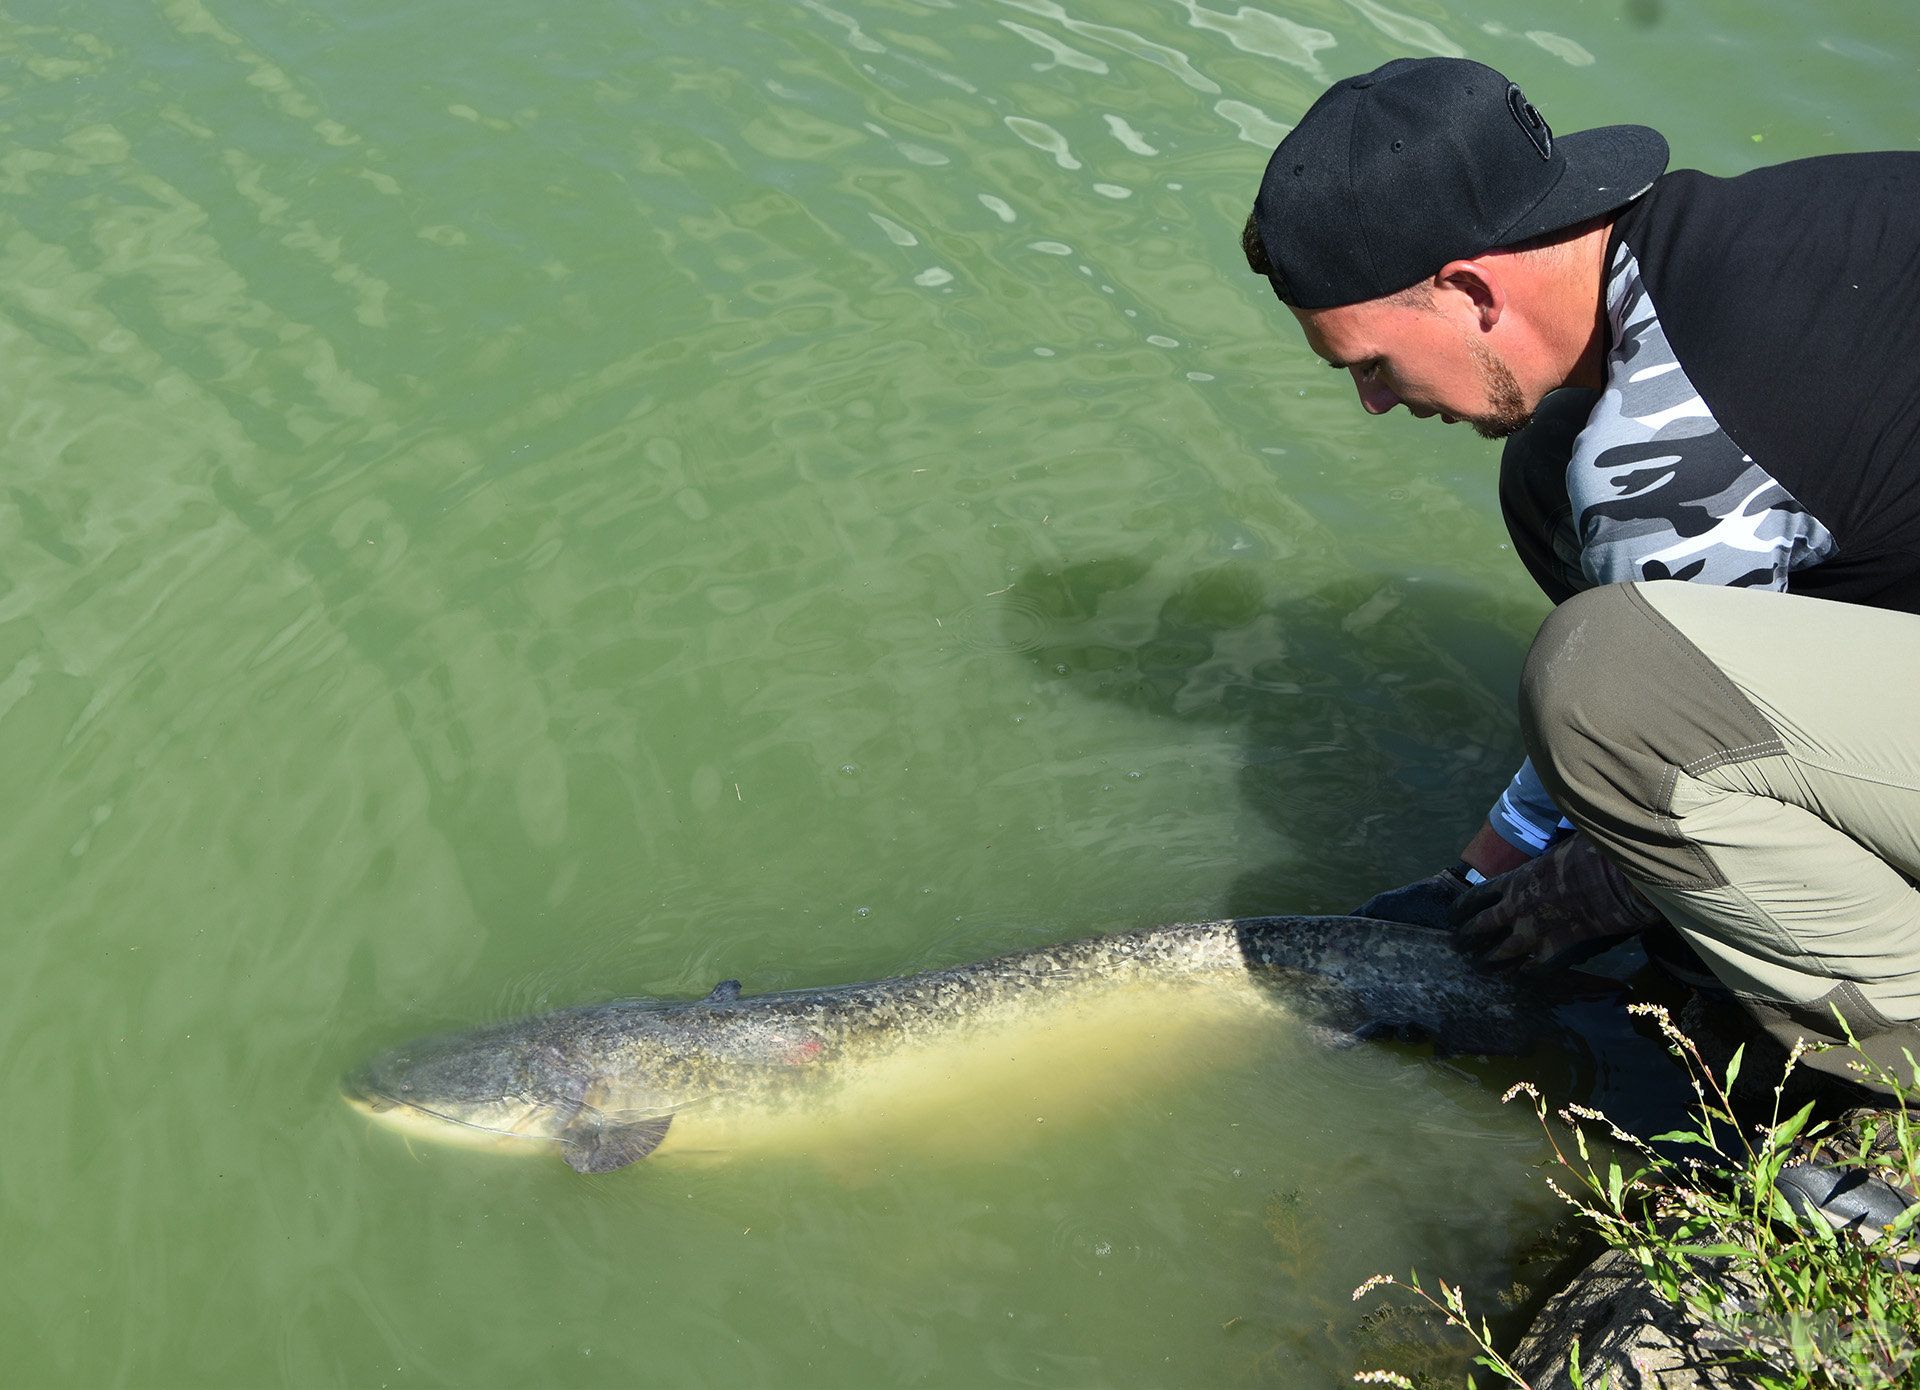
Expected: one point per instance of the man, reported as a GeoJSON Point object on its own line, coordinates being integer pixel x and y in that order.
{"type": "Point", "coordinates": [1700, 379]}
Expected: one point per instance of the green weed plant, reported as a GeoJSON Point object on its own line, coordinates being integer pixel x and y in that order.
{"type": "Point", "coordinates": [1782, 1299]}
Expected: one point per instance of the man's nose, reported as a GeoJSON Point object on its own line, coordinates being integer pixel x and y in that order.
{"type": "Point", "coordinates": [1375, 398]}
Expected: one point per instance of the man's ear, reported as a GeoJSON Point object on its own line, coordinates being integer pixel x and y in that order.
{"type": "Point", "coordinates": [1482, 285]}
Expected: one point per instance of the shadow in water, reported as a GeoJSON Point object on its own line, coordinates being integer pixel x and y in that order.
{"type": "Point", "coordinates": [1376, 712]}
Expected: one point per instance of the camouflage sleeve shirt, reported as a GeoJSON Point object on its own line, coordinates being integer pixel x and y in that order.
{"type": "Point", "coordinates": [1658, 490]}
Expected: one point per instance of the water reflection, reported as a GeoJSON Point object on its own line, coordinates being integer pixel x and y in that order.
{"type": "Point", "coordinates": [471, 489]}
{"type": "Point", "coordinates": [1367, 707]}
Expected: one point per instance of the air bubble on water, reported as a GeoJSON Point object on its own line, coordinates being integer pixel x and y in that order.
{"type": "Point", "coordinates": [1043, 352]}
{"type": "Point", "coordinates": [1060, 668]}
{"type": "Point", "coordinates": [1102, 1250]}
{"type": "Point", "coordinates": [863, 912]}
{"type": "Point", "coordinates": [848, 769]}
{"type": "Point", "coordinates": [1135, 776]}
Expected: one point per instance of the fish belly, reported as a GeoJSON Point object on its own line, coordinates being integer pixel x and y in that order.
{"type": "Point", "coordinates": [999, 1076]}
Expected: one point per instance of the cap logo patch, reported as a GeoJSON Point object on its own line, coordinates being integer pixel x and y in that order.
{"type": "Point", "coordinates": [1530, 121]}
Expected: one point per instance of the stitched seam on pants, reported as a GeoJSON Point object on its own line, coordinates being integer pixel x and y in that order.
{"type": "Point", "coordinates": [1710, 875]}
{"type": "Point", "coordinates": [1787, 948]}
{"type": "Point", "coordinates": [1854, 773]}
{"type": "Point", "coordinates": [1701, 766]}
{"type": "Point", "coordinates": [1765, 747]}
{"type": "Point", "coordinates": [1746, 753]}
{"type": "Point", "coordinates": [1788, 953]}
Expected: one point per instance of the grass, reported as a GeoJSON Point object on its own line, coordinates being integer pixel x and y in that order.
{"type": "Point", "coordinates": [1783, 1298]}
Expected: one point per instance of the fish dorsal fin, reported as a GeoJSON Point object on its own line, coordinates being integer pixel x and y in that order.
{"type": "Point", "coordinates": [598, 1147]}
{"type": "Point", "coordinates": [723, 993]}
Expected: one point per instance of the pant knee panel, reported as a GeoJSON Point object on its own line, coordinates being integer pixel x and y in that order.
{"type": "Point", "coordinates": [1614, 703]}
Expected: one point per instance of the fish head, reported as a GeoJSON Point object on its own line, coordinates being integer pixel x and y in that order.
{"type": "Point", "coordinates": [497, 1087]}
{"type": "Point", "coordinates": [602, 1083]}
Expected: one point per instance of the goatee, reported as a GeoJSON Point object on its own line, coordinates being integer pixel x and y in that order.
{"type": "Point", "coordinates": [1507, 412]}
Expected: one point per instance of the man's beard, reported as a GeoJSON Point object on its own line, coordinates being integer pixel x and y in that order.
{"type": "Point", "coordinates": [1507, 411]}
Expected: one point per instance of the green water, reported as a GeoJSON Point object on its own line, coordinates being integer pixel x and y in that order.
{"type": "Point", "coordinates": [511, 505]}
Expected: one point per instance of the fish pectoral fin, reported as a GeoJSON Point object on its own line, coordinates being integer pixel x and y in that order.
{"type": "Point", "coordinates": [723, 993]}
{"type": "Point", "coordinates": [594, 1146]}
{"type": "Point", "coordinates": [1346, 1023]}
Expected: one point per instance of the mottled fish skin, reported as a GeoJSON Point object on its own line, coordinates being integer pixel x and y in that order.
{"type": "Point", "coordinates": [604, 1082]}
{"type": "Point", "coordinates": [1371, 979]}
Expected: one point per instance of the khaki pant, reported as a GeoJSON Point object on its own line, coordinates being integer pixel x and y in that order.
{"type": "Point", "coordinates": [1752, 760]}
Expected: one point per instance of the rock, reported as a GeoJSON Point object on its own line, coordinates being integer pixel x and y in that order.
{"type": "Point", "coordinates": [1625, 1330]}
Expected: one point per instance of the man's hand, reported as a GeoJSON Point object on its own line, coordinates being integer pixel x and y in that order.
{"type": "Point", "coordinates": [1426, 902]}
{"type": "Point", "coordinates": [1557, 910]}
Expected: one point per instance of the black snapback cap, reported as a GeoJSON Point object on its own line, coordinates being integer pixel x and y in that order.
{"type": "Point", "coordinates": [1392, 174]}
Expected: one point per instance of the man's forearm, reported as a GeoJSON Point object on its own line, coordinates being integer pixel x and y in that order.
{"type": "Point", "coordinates": [1490, 854]}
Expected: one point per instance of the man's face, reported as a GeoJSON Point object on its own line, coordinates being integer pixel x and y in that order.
{"type": "Point", "coordinates": [1419, 355]}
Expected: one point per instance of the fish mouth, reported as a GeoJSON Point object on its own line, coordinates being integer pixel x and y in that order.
{"type": "Point", "coordinates": [359, 1091]}
{"type": "Point", "coordinates": [362, 1093]}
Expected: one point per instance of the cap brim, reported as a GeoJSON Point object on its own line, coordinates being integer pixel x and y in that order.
{"type": "Point", "coordinates": [1605, 169]}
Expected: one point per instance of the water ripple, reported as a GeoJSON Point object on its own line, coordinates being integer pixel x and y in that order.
{"type": "Point", "coordinates": [505, 515]}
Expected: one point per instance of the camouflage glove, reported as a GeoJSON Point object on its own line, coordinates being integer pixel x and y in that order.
{"type": "Point", "coordinates": [1554, 911]}
{"type": "Point", "coordinates": [1426, 902]}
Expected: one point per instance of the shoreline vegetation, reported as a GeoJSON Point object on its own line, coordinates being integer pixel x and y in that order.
{"type": "Point", "coordinates": [1709, 1279]}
